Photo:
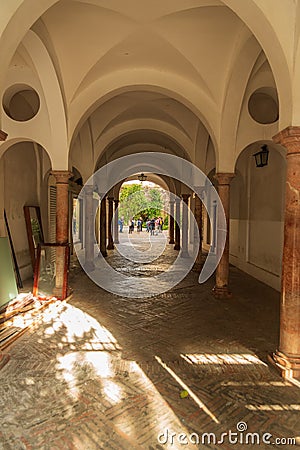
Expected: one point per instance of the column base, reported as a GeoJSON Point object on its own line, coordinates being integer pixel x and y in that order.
{"type": "Point", "coordinates": [171, 241]}
{"type": "Point", "coordinates": [221, 292]}
{"type": "Point", "coordinates": [176, 247]}
{"type": "Point", "coordinates": [116, 241]}
{"type": "Point", "coordinates": [110, 247]}
{"type": "Point", "coordinates": [57, 292]}
{"type": "Point", "coordinates": [287, 366]}
{"type": "Point", "coordinates": [103, 253]}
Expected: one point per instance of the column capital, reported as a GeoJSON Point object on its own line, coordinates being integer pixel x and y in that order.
{"type": "Point", "coordinates": [88, 189]}
{"type": "Point", "coordinates": [224, 178]}
{"type": "Point", "coordinates": [3, 135]}
{"type": "Point", "coordinates": [199, 191]}
{"type": "Point", "coordinates": [289, 138]}
{"type": "Point", "coordinates": [62, 176]}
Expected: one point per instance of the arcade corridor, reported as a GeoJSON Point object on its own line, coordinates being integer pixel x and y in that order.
{"type": "Point", "coordinates": [201, 98]}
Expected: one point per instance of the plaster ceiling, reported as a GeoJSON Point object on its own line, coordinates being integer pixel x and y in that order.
{"type": "Point", "coordinates": [181, 56]}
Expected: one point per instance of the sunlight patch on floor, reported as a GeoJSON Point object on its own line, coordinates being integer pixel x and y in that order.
{"type": "Point", "coordinates": [255, 383]}
{"type": "Point", "coordinates": [222, 358]}
{"type": "Point", "coordinates": [284, 407]}
{"type": "Point", "coordinates": [88, 351]}
{"type": "Point", "coordinates": [190, 392]}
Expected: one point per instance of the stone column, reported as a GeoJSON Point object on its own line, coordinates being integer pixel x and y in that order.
{"type": "Point", "coordinates": [103, 226]}
{"type": "Point", "coordinates": [171, 223]}
{"type": "Point", "coordinates": [62, 205]}
{"type": "Point", "coordinates": [177, 224]}
{"type": "Point", "coordinates": [3, 231]}
{"type": "Point", "coordinates": [89, 228]}
{"type": "Point", "coordinates": [62, 224]}
{"type": "Point", "coordinates": [198, 232]}
{"type": "Point", "coordinates": [287, 357]}
{"type": "Point", "coordinates": [110, 245]}
{"type": "Point", "coordinates": [116, 223]}
{"type": "Point", "coordinates": [97, 222]}
{"type": "Point", "coordinates": [221, 289]}
{"type": "Point", "coordinates": [185, 226]}
{"type": "Point", "coordinates": [3, 137]}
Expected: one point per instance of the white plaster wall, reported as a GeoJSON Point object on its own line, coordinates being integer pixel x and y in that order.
{"type": "Point", "coordinates": [20, 187]}
{"type": "Point", "coordinates": [256, 225]}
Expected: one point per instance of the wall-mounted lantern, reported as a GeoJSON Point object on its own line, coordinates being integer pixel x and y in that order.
{"type": "Point", "coordinates": [142, 177]}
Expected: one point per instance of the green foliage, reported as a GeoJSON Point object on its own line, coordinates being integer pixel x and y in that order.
{"type": "Point", "coordinates": [136, 202]}
{"type": "Point", "coordinates": [129, 189]}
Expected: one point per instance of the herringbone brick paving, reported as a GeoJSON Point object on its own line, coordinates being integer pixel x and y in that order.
{"type": "Point", "coordinates": [105, 372]}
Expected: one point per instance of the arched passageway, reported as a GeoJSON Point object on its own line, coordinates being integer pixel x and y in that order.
{"type": "Point", "coordinates": [209, 82]}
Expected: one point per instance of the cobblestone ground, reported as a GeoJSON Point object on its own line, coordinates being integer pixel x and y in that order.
{"type": "Point", "coordinates": [106, 372]}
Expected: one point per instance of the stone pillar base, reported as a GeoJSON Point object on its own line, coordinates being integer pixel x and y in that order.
{"type": "Point", "coordinates": [103, 253]}
{"type": "Point", "coordinates": [221, 292]}
{"type": "Point", "coordinates": [57, 292]}
{"type": "Point", "coordinates": [287, 366]}
{"type": "Point", "coordinates": [171, 241]}
{"type": "Point", "coordinates": [176, 247]}
{"type": "Point", "coordinates": [110, 247]}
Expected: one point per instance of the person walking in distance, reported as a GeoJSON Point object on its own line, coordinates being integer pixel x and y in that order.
{"type": "Point", "coordinates": [121, 224]}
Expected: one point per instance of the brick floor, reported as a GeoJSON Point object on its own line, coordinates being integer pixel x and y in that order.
{"type": "Point", "coordinates": [106, 372]}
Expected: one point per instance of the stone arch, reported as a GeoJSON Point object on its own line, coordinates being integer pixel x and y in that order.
{"type": "Point", "coordinates": [116, 133]}
{"type": "Point", "coordinates": [233, 102]}
{"type": "Point", "coordinates": [127, 80]}
{"type": "Point", "coordinates": [53, 99]}
{"type": "Point", "coordinates": [266, 32]}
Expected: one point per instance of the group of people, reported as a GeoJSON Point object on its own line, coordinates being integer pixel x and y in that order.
{"type": "Point", "coordinates": [139, 224]}
{"type": "Point", "coordinates": [152, 225]}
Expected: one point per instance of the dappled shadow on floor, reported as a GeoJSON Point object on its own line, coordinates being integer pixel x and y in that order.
{"type": "Point", "coordinates": [104, 371]}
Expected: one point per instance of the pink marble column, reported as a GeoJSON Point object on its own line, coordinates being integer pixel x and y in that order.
{"type": "Point", "coordinates": [62, 205]}
{"type": "Point", "coordinates": [110, 245]}
{"type": "Point", "coordinates": [198, 232]}
{"type": "Point", "coordinates": [103, 226]}
{"type": "Point", "coordinates": [116, 223]}
{"type": "Point", "coordinates": [3, 137]}
{"type": "Point", "coordinates": [171, 223]}
{"type": "Point", "coordinates": [287, 357]}
{"type": "Point", "coordinates": [62, 224]}
{"type": "Point", "coordinates": [185, 226]}
{"type": "Point", "coordinates": [177, 224]}
{"type": "Point", "coordinates": [221, 289]}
